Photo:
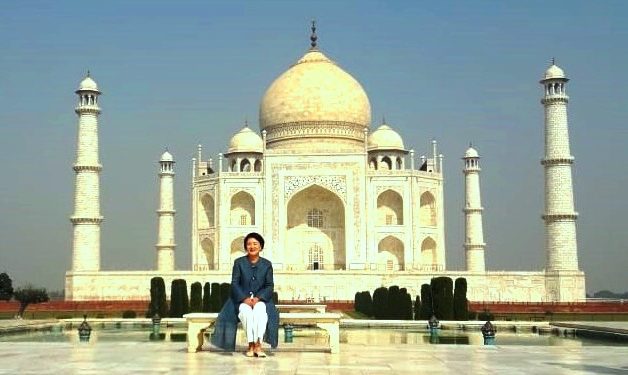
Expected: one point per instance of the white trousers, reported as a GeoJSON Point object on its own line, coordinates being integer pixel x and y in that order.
{"type": "Point", "coordinates": [253, 321]}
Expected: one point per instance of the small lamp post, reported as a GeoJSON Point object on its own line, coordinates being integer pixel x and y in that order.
{"type": "Point", "coordinates": [288, 331]}
{"type": "Point", "coordinates": [433, 324]}
{"type": "Point", "coordinates": [488, 331]}
{"type": "Point", "coordinates": [84, 330]}
{"type": "Point", "coordinates": [156, 319]}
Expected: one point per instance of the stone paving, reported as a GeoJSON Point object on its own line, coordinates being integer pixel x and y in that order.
{"type": "Point", "coordinates": [171, 358]}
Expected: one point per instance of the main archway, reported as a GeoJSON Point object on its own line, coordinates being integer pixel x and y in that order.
{"type": "Point", "coordinates": [316, 230]}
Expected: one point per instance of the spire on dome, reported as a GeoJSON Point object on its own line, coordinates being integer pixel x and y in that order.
{"type": "Point", "coordinates": [313, 37]}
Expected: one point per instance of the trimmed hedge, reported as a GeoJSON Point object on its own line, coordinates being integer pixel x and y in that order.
{"type": "Point", "coordinates": [196, 297]}
{"type": "Point", "coordinates": [461, 305]}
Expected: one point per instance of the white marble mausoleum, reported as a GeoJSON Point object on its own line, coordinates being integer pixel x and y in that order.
{"type": "Point", "coordinates": [344, 205]}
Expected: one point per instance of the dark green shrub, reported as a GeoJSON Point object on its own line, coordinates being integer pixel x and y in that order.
{"type": "Point", "coordinates": [6, 287]}
{"type": "Point", "coordinates": [215, 298]}
{"type": "Point", "coordinates": [196, 297]}
{"type": "Point", "coordinates": [426, 305]}
{"type": "Point", "coordinates": [275, 298]}
{"type": "Point", "coordinates": [129, 314]}
{"type": "Point", "coordinates": [380, 301]}
{"type": "Point", "coordinates": [393, 310]}
{"type": "Point", "coordinates": [206, 297]}
{"type": "Point", "coordinates": [179, 302]}
{"type": "Point", "coordinates": [443, 297]}
{"type": "Point", "coordinates": [461, 305]}
{"type": "Point", "coordinates": [367, 302]}
{"type": "Point", "coordinates": [406, 303]}
{"type": "Point", "coordinates": [417, 308]}
{"type": "Point", "coordinates": [158, 303]}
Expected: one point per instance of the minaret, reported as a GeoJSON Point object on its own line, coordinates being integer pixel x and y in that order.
{"type": "Point", "coordinates": [165, 214]}
{"type": "Point", "coordinates": [559, 216]}
{"type": "Point", "coordinates": [86, 218]}
{"type": "Point", "coordinates": [474, 235]}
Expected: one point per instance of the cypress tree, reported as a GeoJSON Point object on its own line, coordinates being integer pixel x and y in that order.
{"type": "Point", "coordinates": [196, 297]}
{"type": "Point", "coordinates": [443, 297]}
{"type": "Point", "coordinates": [426, 306]}
{"type": "Point", "coordinates": [275, 298]}
{"type": "Point", "coordinates": [393, 306]}
{"type": "Point", "coordinates": [185, 300]}
{"type": "Point", "coordinates": [175, 299]}
{"type": "Point", "coordinates": [380, 301]}
{"type": "Point", "coordinates": [356, 302]}
{"type": "Point", "coordinates": [158, 302]}
{"type": "Point", "coordinates": [417, 308]}
{"type": "Point", "coordinates": [406, 304]}
{"type": "Point", "coordinates": [461, 305]}
{"type": "Point", "coordinates": [215, 298]}
{"type": "Point", "coordinates": [206, 297]}
{"type": "Point", "coordinates": [368, 304]}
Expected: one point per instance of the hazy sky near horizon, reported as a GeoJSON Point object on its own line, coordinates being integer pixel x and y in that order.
{"type": "Point", "coordinates": [175, 74]}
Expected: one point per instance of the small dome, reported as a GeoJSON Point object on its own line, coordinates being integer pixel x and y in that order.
{"type": "Point", "coordinates": [166, 156]}
{"type": "Point", "coordinates": [88, 84]}
{"type": "Point", "coordinates": [554, 72]}
{"type": "Point", "coordinates": [471, 153]}
{"type": "Point", "coordinates": [246, 140]}
{"type": "Point", "coordinates": [385, 138]}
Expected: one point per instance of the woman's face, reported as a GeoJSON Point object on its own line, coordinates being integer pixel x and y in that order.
{"type": "Point", "coordinates": [253, 247]}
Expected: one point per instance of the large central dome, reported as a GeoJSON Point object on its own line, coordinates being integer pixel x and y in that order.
{"type": "Point", "coordinates": [315, 102]}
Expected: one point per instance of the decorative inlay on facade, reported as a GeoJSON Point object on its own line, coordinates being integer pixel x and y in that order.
{"type": "Point", "coordinates": [337, 184]}
{"type": "Point", "coordinates": [382, 188]}
{"type": "Point", "coordinates": [236, 190]}
{"type": "Point", "coordinates": [338, 129]}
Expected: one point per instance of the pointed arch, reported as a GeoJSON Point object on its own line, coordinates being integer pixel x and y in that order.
{"type": "Point", "coordinates": [373, 163]}
{"type": "Point", "coordinates": [316, 219]}
{"type": "Point", "coordinates": [428, 252]}
{"type": "Point", "coordinates": [427, 210]}
{"type": "Point", "coordinates": [386, 163]}
{"type": "Point", "coordinates": [206, 214]}
{"type": "Point", "coordinates": [399, 163]}
{"type": "Point", "coordinates": [208, 250]}
{"type": "Point", "coordinates": [236, 249]}
{"type": "Point", "coordinates": [245, 165]}
{"type": "Point", "coordinates": [242, 209]}
{"type": "Point", "coordinates": [390, 254]}
{"type": "Point", "coordinates": [389, 208]}
{"type": "Point", "coordinates": [257, 167]}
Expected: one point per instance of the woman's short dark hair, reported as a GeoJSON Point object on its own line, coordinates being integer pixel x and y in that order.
{"type": "Point", "coordinates": [257, 236]}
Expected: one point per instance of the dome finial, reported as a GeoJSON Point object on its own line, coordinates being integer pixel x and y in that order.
{"type": "Point", "coordinates": [553, 61]}
{"type": "Point", "coordinates": [313, 37]}
{"type": "Point", "coordinates": [246, 121]}
{"type": "Point", "coordinates": [88, 74]}
{"type": "Point", "coordinates": [383, 120]}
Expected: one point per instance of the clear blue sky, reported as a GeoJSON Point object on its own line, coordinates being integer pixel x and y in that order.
{"type": "Point", "coordinates": [178, 73]}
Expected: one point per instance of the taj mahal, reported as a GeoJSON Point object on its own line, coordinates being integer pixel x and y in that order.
{"type": "Point", "coordinates": [344, 205]}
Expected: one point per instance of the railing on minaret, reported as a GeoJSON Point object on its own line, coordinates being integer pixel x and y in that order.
{"type": "Point", "coordinates": [86, 218]}
{"type": "Point", "coordinates": [474, 233]}
{"type": "Point", "coordinates": [559, 215]}
{"type": "Point", "coordinates": [165, 214]}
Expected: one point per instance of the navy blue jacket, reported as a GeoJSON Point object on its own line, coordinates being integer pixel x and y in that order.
{"type": "Point", "coordinates": [247, 278]}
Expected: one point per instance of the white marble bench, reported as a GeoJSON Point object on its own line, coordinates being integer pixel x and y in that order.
{"type": "Point", "coordinates": [198, 323]}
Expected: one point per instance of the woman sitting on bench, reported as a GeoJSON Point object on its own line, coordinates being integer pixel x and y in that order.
{"type": "Point", "coordinates": [250, 302]}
